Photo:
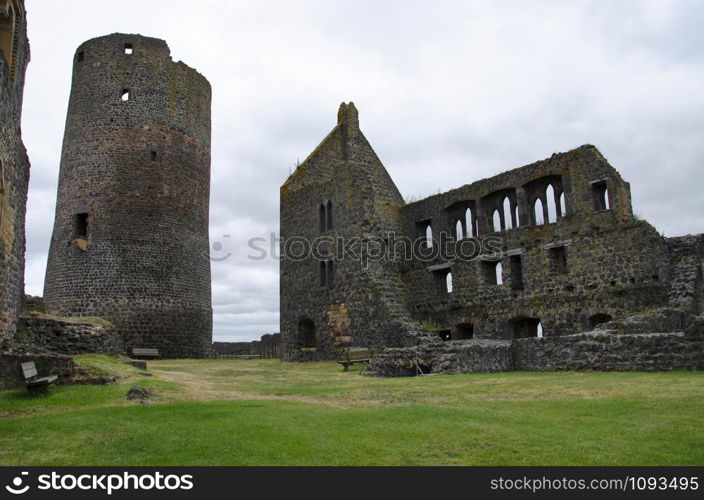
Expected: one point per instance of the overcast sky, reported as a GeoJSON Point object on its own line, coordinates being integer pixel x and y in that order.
{"type": "Point", "coordinates": [448, 93]}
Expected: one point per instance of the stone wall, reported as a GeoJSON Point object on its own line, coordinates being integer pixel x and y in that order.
{"type": "Point", "coordinates": [130, 238]}
{"type": "Point", "coordinates": [67, 336]}
{"type": "Point", "coordinates": [268, 346]}
{"type": "Point", "coordinates": [341, 192]}
{"type": "Point", "coordinates": [47, 364]}
{"type": "Point", "coordinates": [605, 349]}
{"type": "Point", "coordinates": [14, 164]}
{"type": "Point", "coordinates": [470, 356]}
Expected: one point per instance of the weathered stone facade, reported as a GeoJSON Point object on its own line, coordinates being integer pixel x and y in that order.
{"type": "Point", "coordinates": [545, 250]}
{"type": "Point", "coordinates": [130, 239]}
{"type": "Point", "coordinates": [340, 191]}
{"type": "Point", "coordinates": [14, 164]}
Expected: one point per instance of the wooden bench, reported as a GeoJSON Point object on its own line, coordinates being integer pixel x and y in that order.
{"type": "Point", "coordinates": [356, 355]}
{"type": "Point", "coordinates": [32, 379]}
{"type": "Point", "coordinates": [138, 352]}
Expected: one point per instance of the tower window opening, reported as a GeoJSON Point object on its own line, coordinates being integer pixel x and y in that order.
{"type": "Point", "coordinates": [80, 226]}
{"type": "Point", "coordinates": [153, 155]}
{"type": "Point", "coordinates": [81, 56]}
{"type": "Point", "coordinates": [128, 49]}
{"type": "Point", "coordinates": [125, 96]}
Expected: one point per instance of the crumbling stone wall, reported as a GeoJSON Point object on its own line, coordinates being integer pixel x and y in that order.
{"type": "Point", "coordinates": [130, 238]}
{"type": "Point", "coordinates": [68, 336]}
{"type": "Point", "coordinates": [14, 164]}
{"type": "Point", "coordinates": [686, 281]}
{"type": "Point", "coordinates": [663, 340]}
{"type": "Point", "coordinates": [47, 364]}
{"type": "Point", "coordinates": [610, 263]}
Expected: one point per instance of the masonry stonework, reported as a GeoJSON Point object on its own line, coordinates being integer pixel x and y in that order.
{"type": "Point", "coordinates": [542, 251]}
{"type": "Point", "coordinates": [14, 164]}
{"type": "Point", "coordinates": [130, 238]}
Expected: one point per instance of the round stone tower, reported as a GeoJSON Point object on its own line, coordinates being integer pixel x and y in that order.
{"type": "Point", "coordinates": [130, 240]}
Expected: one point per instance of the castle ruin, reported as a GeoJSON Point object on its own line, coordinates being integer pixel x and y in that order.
{"type": "Point", "coordinates": [542, 251]}
{"type": "Point", "coordinates": [130, 239]}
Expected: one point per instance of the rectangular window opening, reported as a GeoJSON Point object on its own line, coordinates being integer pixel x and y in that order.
{"type": "Point", "coordinates": [558, 260]}
{"type": "Point", "coordinates": [600, 195]}
{"type": "Point", "coordinates": [128, 49]}
{"type": "Point", "coordinates": [323, 273]}
{"type": "Point", "coordinates": [81, 56]}
{"type": "Point", "coordinates": [153, 155]}
{"type": "Point", "coordinates": [125, 96]}
{"type": "Point", "coordinates": [80, 226]}
{"type": "Point", "coordinates": [516, 272]}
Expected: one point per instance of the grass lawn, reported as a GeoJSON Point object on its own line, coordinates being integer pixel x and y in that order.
{"type": "Point", "coordinates": [265, 412]}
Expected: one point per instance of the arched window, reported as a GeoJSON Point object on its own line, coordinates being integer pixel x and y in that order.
{"type": "Point", "coordinates": [552, 205]}
{"type": "Point", "coordinates": [328, 216]}
{"type": "Point", "coordinates": [507, 214]}
{"type": "Point", "coordinates": [469, 223]}
{"type": "Point", "coordinates": [306, 333]}
{"type": "Point", "coordinates": [538, 211]}
{"type": "Point", "coordinates": [600, 192]}
{"type": "Point", "coordinates": [539, 330]}
{"type": "Point", "coordinates": [429, 236]}
{"type": "Point", "coordinates": [563, 205]}
{"type": "Point", "coordinates": [518, 221]}
{"type": "Point", "coordinates": [497, 221]}
{"type": "Point", "coordinates": [458, 230]}
{"type": "Point", "coordinates": [448, 282]}
{"type": "Point", "coordinates": [499, 274]}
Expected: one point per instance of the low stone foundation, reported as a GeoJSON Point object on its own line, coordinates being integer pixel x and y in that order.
{"type": "Point", "coordinates": [268, 346]}
{"type": "Point", "coordinates": [47, 364]}
{"type": "Point", "coordinates": [468, 356]}
{"type": "Point", "coordinates": [67, 336]}
{"type": "Point", "coordinates": [599, 350]}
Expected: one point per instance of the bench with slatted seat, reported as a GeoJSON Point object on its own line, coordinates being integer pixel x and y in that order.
{"type": "Point", "coordinates": [34, 382]}
{"type": "Point", "coordinates": [139, 353]}
{"type": "Point", "coordinates": [355, 355]}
